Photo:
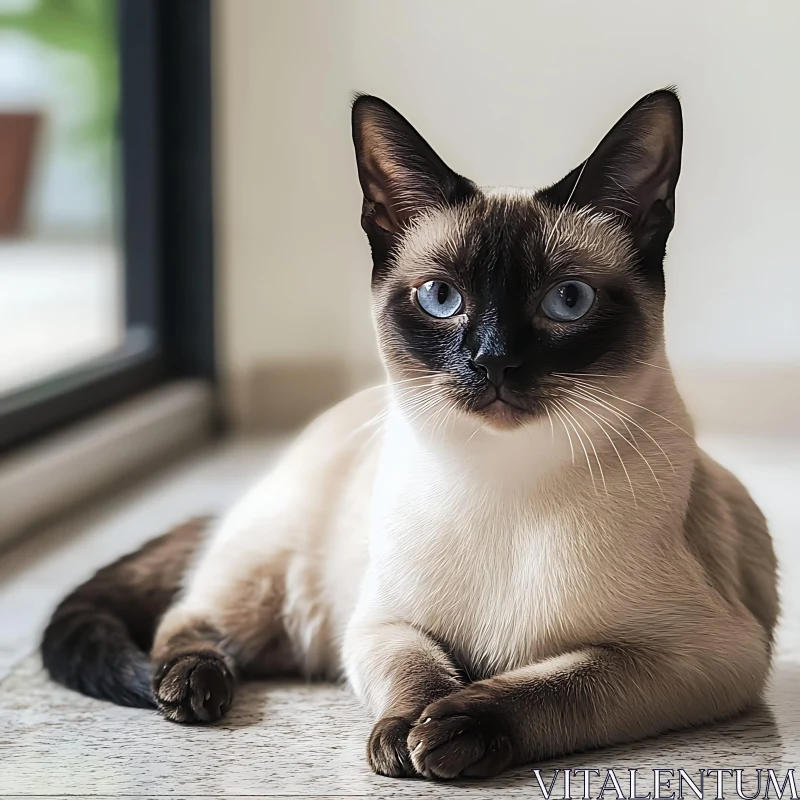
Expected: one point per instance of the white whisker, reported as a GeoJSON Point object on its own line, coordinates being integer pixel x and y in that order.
{"type": "Point", "coordinates": [601, 419]}
{"type": "Point", "coordinates": [552, 432]}
{"type": "Point", "coordinates": [570, 419]}
{"type": "Point", "coordinates": [472, 435]}
{"type": "Point", "coordinates": [654, 366]}
{"type": "Point", "coordinates": [566, 430]}
{"type": "Point", "coordinates": [594, 450]}
{"type": "Point", "coordinates": [554, 229]}
{"type": "Point", "coordinates": [586, 394]}
{"type": "Point", "coordinates": [619, 456]}
{"type": "Point", "coordinates": [589, 385]}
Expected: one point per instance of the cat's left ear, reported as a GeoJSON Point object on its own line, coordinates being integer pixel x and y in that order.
{"type": "Point", "coordinates": [634, 170]}
{"type": "Point", "coordinates": [400, 173]}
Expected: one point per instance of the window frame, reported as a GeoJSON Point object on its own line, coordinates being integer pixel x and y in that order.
{"type": "Point", "coordinates": [166, 226]}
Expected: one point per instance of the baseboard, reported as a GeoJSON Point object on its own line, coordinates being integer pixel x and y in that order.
{"type": "Point", "coordinates": [749, 401]}
{"type": "Point", "coordinates": [68, 468]}
{"type": "Point", "coordinates": [282, 396]}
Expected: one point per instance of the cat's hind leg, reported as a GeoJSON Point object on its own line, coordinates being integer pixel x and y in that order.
{"type": "Point", "coordinates": [194, 677]}
{"type": "Point", "coordinates": [228, 623]}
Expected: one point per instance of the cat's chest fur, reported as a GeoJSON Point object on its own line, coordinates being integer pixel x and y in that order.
{"type": "Point", "coordinates": [498, 569]}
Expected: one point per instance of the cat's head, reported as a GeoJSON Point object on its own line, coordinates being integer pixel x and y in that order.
{"type": "Point", "coordinates": [488, 297]}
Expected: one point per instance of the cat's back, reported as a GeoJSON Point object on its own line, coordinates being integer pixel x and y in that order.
{"type": "Point", "coordinates": [728, 534]}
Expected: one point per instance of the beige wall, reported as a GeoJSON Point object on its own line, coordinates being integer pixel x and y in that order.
{"type": "Point", "coordinates": [508, 91]}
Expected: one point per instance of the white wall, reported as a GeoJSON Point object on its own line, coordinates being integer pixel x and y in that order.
{"type": "Point", "coordinates": [508, 91]}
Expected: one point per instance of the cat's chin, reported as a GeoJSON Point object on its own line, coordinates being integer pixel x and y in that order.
{"type": "Point", "coordinates": [501, 415]}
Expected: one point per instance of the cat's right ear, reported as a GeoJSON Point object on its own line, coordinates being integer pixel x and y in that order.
{"type": "Point", "coordinates": [400, 173]}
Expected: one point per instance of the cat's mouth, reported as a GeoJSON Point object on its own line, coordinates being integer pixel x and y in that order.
{"type": "Point", "coordinates": [502, 412]}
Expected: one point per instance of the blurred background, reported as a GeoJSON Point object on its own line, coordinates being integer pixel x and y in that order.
{"type": "Point", "coordinates": [60, 265]}
{"type": "Point", "coordinates": [179, 208]}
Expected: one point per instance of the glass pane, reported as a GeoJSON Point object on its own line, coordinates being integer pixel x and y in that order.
{"type": "Point", "coordinates": [61, 277]}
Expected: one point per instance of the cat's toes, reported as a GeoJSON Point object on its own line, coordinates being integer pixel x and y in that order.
{"type": "Point", "coordinates": [195, 687]}
{"type": "Point", "coordinates": [460, 736]}
{"type": "Point", "coordinates": [387, 748]}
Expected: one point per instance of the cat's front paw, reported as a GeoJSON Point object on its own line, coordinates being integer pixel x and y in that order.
{"type": "Point", "coordinates": [461, 735]}
{"type": "Point", "coordinates": [194, 687]}
{"type": "Point", "coordinates": [387, 748]}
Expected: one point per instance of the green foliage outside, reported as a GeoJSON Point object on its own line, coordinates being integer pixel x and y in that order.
{"type": "Point", "coordinates": [86, 28]}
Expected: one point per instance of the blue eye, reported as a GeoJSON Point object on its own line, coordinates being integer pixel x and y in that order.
{"type": "Point", "coordinates": [439, 299]}
{"type": "Point", "coordinates": [568, 301]}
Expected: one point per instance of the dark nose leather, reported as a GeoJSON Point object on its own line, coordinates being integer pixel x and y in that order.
{"type": "Point", "coordinates": [496, 366]}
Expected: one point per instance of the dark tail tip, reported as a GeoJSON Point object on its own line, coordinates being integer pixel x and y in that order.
{"type": "Point", "coordinates": [90, 650]}
{"type": "Point", "coordinates": [97, 639]}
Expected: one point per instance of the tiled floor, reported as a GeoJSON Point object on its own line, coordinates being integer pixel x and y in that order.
{"type": "Point", "coordinates": [298, 740]}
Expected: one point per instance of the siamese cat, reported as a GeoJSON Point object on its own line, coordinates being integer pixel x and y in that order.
{"type": "Point", "coordinates": [515, 548]}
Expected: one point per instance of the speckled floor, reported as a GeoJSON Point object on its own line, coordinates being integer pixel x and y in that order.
{"type": "Point", "coordinates": [295, 740]}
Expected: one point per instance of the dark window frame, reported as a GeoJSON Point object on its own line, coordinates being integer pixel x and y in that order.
{"type": "Point", "coordinates": [166, 226]}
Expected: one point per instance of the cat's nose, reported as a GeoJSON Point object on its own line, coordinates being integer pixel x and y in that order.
{"type": "Point", "coordinates": [496, 366]}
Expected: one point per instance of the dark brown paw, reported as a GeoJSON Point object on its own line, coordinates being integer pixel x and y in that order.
{"type": "Point", "coordinates": [195, 687]}
{"type": "Point", "coordinates": [462, 735]}
{"type": "Point", "coordinates": [387, 749]}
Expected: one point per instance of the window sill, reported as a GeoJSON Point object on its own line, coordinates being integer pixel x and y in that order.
{"type": "Point", "coordinates": [68, 468]}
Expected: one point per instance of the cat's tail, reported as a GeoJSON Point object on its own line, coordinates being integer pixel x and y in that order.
{"type": "Point", "coordinates": [98, 638]}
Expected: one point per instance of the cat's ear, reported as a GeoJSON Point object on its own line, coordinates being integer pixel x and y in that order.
{"type": "Point", "coordinates": [399, 171]}
{"type": "Point", "coordinates": [634, 170]}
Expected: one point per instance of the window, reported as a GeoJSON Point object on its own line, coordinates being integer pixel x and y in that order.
{"type": "Point", "coordinates": [105, 205]}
